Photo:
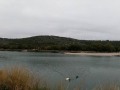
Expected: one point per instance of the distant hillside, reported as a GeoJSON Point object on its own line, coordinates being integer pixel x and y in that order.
{"type": "Point", "coordinates": [39, 43]}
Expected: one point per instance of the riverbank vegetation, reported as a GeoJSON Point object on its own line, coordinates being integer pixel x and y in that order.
{"type": "Point", "coordinates": [55, 43]}
{"type": "Point", "coordinates": [22, 79]}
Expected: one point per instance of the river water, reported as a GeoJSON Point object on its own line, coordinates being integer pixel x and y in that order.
{"type": "Point", "coordinates": [55, 67]}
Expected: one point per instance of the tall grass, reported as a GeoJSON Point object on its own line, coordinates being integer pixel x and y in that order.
{"type": "Point", "coordinates": [108, 87]}
{"type": "Point", "coordinates": [22, 79]}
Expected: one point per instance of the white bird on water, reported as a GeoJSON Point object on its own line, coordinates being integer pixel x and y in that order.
{"type": "Point", "coordinates": [68, 79]}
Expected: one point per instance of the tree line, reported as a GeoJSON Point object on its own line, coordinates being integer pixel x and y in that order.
{"type": "Point", "coordinates": [39, 43]}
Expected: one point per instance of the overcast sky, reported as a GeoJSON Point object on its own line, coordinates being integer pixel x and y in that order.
{"type": "Point", "coordinates": [80, 19]}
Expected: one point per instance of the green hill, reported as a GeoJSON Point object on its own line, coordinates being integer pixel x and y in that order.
{"type": "Point", "coordinates": [39, 43]}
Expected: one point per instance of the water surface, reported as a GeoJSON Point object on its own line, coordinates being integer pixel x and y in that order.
{"type": "Point", "coordinates": [55, 67]}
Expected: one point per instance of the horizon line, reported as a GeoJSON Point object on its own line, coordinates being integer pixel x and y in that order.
{"type": "Point", "coordinates": [57, 36]}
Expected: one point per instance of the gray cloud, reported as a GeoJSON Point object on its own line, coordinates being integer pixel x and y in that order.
{"type": "Point", "coordinates": [81, 19]}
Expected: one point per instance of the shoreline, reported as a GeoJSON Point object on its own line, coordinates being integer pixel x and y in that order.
{"type": "Point", "coordinates": [80, 53]}
{"type": "Point", "coordinates": [93, 54]}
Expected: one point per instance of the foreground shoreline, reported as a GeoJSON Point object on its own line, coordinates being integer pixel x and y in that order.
{"type": "Point", "coordinates": [93, 54]}
{"type": "Point", "coordinates": [20, 78]}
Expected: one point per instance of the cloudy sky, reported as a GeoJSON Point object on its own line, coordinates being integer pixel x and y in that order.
{"type": "Point", "coordinates": [80, 19]}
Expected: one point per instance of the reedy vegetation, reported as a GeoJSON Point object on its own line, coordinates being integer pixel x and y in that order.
{"type": "Point", "coordinates": [22, 79]}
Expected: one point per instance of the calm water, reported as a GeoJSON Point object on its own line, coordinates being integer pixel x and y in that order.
{"type": "Point", "coordinates": [54, 67]}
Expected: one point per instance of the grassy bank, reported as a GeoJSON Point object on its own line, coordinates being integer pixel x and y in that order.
{"type": "Point", "coordinates": [22, 79]}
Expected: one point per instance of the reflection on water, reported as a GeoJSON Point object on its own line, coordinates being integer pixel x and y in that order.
{"type": "Point", "coordinates": [56, 67]}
